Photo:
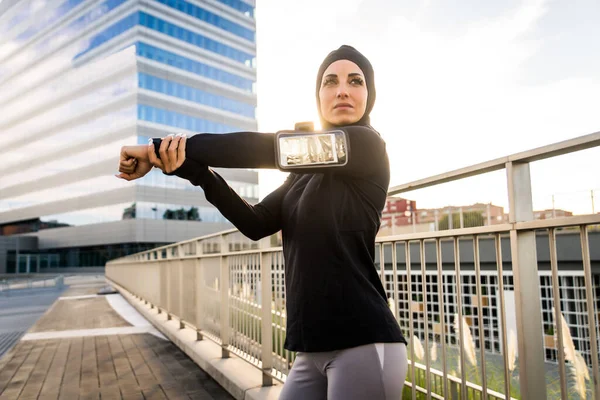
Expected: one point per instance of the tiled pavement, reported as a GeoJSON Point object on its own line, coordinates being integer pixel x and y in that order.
{"type": "Point", "coordinates": [130, 366]}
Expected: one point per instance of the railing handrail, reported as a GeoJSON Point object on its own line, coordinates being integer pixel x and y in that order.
{"type": "Point", "coordinates": [576, 220]}
{"type": "Point", "coordinates": [540, 153]}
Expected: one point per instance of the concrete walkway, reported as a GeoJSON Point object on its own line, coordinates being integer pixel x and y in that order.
{"type": "Point", "coordinates": [99, 347]}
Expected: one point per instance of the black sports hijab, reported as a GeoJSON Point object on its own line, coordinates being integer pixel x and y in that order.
{"type": "Point", "coordinates": [351, 54]}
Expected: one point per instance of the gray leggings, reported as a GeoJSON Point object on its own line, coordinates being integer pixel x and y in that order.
{"type": "Point", "coordinates": [373, 371]}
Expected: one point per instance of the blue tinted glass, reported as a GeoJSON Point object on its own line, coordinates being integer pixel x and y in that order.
{"type": "Point", "coordinates": [178, 120]}
{"type": "Point", "coordinates": [239, 5]}
{"type": "Point", "coordinates": [46, 46]}
{"type": "Point", "coordinates": [209, 17]}
{"type": "Point", "coordinates": [111, 32]}
{"type": "Point", "coordinates": [51, 18]}
{"type": "Point", "coordinates": [198, 96]}
{"type": "Point", "coordinates": [177, 32]}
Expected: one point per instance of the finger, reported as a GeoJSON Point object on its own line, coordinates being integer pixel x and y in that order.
{"type": "Point", "coordinates": [152, 157]}
{"type": "Point", "coordinates": [127, 177]}
{"type": "Point", "coordinates": [129, 162]}
{"type": "Point", "coordinates": [181, 151]}
{"type": "Point", "coordinates": [164, 145]}
{"type": "Point", "coordinates": [172, 151]}
{"type": "Point", "coordinates": [127, 170]}
{"type": "Point", "coordinates": [130, 165]}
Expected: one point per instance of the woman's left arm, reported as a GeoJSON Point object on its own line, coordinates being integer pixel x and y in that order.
{"type": "Point", "coordinates": [257, 150]}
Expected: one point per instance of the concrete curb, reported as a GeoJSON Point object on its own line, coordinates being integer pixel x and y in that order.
{"type": "Point", "coordinates": [238, 377]}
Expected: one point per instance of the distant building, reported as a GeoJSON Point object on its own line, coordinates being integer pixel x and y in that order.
{"type": "Point", "coordinates": [492, 215]}
{"type": "Point", "coordinates": [399, 212]}
{"type": "Point", "coordinates": [81, 78]}
{"type": "Point", "coordinates": [551, 213]}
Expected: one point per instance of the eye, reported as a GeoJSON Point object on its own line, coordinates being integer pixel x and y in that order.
{"type": "Point", "coordinates": [329, 81]}
{"type": "Point", "coordinates": [357, 81]}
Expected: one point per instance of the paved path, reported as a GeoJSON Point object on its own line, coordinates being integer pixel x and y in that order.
{"type": "Point", "coordinates": [80, 349]}
{"type": "Point", "coordinates": [19, 310]}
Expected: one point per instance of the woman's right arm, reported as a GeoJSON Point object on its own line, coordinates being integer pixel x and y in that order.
{"type": "Point", "coordinates": [254, 221]}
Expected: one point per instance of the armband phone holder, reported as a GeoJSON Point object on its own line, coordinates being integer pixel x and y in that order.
{"type": "Point", "coordinates": [302, 149]}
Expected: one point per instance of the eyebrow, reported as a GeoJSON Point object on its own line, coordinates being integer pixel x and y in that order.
{"type": "Point", "coordinates": [349, 75]}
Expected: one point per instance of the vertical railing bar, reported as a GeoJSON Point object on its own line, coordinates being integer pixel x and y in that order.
{"type": "Point", "coordinates": [410, 320]}
{"type": "Point", "coordinates": [426, 316]}
{"type": "Point", "coordinates": [395, 281]}
{"type": "Point", "coordinates": [381, 264]}
{"type": "Point", "coordinates": [255, 314]}
{"type": "Point", "coordinates": [587, 268]}
{"type": "Point", "coordinates": [234, 302]}
{"type": "Point", "coordinates": [256, 311]}
{"type": "Point", "coordinates": [249, 309]}
{"type": "Point", "coordinates": [557, 313]}
{"type": "Point", "coordinates": [278, 361]}
{"type": "Point", "coordinates": [438, 248]}
{"type": "Point", "coordinates": [251, 312]}
{"type": "Point", "coordinates": [499, 265]}
{"type": "Point", "coordinates": [267, 320]}
{"type": "Point", "coordinates": [463, 383]}
{"type": "Point", "coordinates": [285, 354]}
{"type": "Point", "coordinates": [224, 282]}
{"type": "Point", "coordinates": [282, 361]}
{"type": "Point", "coordinates": [181, 285]}
{"type": "Point", "coordinates": [480, 315]}
{"type": "Point", "coordinates": [242, 264]}
{"type": "Point", "coordinates": [241, 306]}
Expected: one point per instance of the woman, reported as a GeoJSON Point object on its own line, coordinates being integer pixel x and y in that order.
{"type": "Point", "coordinates": [348, 342]}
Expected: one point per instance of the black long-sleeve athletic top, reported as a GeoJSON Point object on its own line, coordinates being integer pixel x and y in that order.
{"type": "Point", "coordinates": [329, 218]}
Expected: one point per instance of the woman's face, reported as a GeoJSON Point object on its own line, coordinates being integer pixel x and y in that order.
{"type": "Point", "coordinates": [343, 93]}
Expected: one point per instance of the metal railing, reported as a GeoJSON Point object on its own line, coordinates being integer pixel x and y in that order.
{"type": "Point", "coordinates": [467, 292]}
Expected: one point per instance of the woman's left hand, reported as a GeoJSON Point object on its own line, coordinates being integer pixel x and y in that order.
{"type": "Point", "coordinates": [172, 153]}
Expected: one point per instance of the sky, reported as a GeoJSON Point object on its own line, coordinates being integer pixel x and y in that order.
{"type": "Point", "coordinates": [458, 83]}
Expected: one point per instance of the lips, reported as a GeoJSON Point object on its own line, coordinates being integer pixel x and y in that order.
{"type": "Point", "coordinates": [340, 105]}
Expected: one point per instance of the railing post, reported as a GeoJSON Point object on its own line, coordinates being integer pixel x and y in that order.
{"type": "Point", "coordinates": [454, 390]}
{"type": "Point", "coordinates": [224, 282]}
{"type": "Point", "coordinates": [181, 285]}
{"type": "Point", "coordinates": [527, 284]}
{"type": "Point", "coordinates": [198, 287]}
{"type": "Point", "coordinates": [266, 318]}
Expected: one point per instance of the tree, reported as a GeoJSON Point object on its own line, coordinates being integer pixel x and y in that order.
{"type": "Point", "coordinates": [470, 219]}
{"type": "Point", "coordinates": [182, 214]}
{"type": "Point", "coordinates": [192, 214]}
{"type": "Point", "coordinates": [168, 214]}
{"type": "Point", "coordinates": [129, 212]}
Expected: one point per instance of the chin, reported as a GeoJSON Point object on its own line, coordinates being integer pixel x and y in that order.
{"type": "Point", "coordinates": [345, 121]}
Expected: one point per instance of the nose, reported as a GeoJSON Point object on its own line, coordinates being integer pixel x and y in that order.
{"type": "Point", "coordinates": [342, 92]}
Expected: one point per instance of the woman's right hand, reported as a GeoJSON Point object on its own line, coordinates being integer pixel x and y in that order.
{"type": "Point", "coordinates": [133, 162]}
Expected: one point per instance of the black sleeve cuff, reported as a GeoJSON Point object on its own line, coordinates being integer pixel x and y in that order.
{"type": "Point", "coordinates": [190, 170]}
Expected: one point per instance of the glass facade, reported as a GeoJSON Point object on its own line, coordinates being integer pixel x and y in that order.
{"type": "Point", "coordinates": [70, 83]}
{"type": "Point", "coordinates": [198, 68]}
{"type": "Point", "coordinates": [184, 92]}
{"type": "Point", "coordinates": [182, 121]}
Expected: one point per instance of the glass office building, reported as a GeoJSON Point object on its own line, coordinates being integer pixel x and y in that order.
{"type": "Point", "coordinates": [81, 78]}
